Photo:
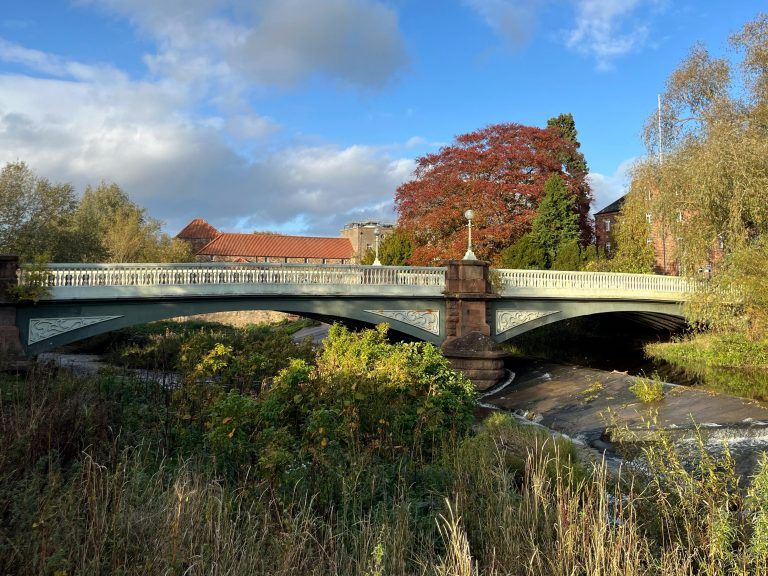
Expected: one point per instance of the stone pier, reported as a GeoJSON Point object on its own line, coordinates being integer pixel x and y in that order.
{"type": "Point", "coordinates": [10, 345]}
{"type": "Point", "coordinates": [468, 344]}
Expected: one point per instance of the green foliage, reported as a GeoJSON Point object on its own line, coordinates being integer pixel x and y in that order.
{"type": "Point", "coordinates": [757, 506]}
{"type": "Point", "coordinates": [566, 126]}
{"type": "Point", "coordinates": [36, 282]}
{"type": "Point", "coordinates": [41, 219]}
{"type": "Point", "coordinates": [648, 390]}
{"type": "Point", "coordinates": [568, 257]}
{"type": "Point", "coordinates": [368, 407]}
{"type": "Point", "coordinates": [525, 254]}
{"type": "Point", "coordinates": [730, 362]}
{"type": "Point", "coordinates": [736, 298]}
{"type": "Point", "coordinates": [36, 215]}
{"type": "Point", "coordinates": [631, 231]}
{"type": "Point", "coordinates": [396, 249]}
{"type": "Point", "coordinates": [709, 191]}
{"type": "Point", "coordinates": [93, 481]}
{"type": "Point", "coordinates": [553, 241]}
{"type": "Point", "coordinates": [556, 222]}
{"type": "Point", "coordinates": [118, 230]}
{"type": "Point", "coordinates": [368, 257]}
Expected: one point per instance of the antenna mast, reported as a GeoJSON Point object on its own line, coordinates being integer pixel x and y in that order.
{"type": "Point", "coordinates": [661, 156]}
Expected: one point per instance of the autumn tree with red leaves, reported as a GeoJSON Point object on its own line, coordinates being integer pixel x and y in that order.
{"type": "Point", "coordinates": [499, 172]}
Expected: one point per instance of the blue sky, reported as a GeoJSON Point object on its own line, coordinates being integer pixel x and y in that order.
{"type": "Point", "coordinates": [301, 115]}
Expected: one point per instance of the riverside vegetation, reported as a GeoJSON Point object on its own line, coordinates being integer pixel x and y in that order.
{"type": "Point", "coordinates": [363, 458]}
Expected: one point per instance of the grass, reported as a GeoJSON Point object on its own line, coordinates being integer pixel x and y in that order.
{"type": "Point", "coordinates": [99, 476]}
{"type": "Point", "coordinates": [648, 390]}
{"type": "Point", "coordinates": [733, 363]}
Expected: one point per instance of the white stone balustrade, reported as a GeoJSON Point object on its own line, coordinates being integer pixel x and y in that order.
{"type": "Point", "coordinates": [100, 281]}
{"type": "Point", "coordinates": [89, 281]}
{"type": "Point", "coordinates": [560, 283]}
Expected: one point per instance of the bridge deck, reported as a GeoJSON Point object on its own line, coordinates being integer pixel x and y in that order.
{"type": "Point", "coordinates": [106, 281]}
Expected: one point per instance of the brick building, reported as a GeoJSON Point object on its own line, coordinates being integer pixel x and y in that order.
{"type": "Point", "coordinates": [605, 219]}
{"type": "Point", "coordinates": [209, 244]}
{"type": "Point", "coordinates": [362, 235]}
{"type": "Point", "coordinates": [665, 245]}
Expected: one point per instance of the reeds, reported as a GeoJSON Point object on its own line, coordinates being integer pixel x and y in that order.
{"type": "Point", "coordinates": [516, 502]}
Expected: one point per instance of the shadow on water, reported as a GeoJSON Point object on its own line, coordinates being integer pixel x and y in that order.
{"type": "Point", "coordinates": [611, 342]}
{"type": "Point", "coordinates": [602, 341]}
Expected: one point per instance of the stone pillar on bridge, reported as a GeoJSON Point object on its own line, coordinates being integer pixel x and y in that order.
{"type": "Point", "coordinates": [10, 345]}
{"type": "Point", "coordinates": [468, 344]}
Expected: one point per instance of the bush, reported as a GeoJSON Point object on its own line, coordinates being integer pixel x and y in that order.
{"type": "Point", "coordinates": [648, 390]}
{"type": "Point", "coordinates": [365, 412]}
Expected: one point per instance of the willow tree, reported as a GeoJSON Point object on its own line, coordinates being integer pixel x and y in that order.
{"type": "Point", "coordinates": [705, 176]}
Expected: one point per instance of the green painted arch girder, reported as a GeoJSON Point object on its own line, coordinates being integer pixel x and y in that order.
{"type": "Point", "coordinates": [140, 311]}
{"type": "Point", "coordinates": [555, 310]}
{"type": "Point", "coordinates": [129, 312]}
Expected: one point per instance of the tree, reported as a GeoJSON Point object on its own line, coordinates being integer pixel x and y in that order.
{"type": "Point", "coordinates": [368, 257]}
{"type": "Point", "coordinates": [575, 164]}
{"type": "Point", "coordinates": [556, 222]}
{"type": "Point", "coordinates": [396, 249]}
{"type": "Point", "coordinates": [632, 252]}
{"type": "Point", "coordinates": [525, 254]}
{"type": "Point", "coordinates": [569, 256]}
{"type": "Point", "coordinates": [499, 172]}
{"type": "Point", "coordinates": [35, 215]}
{"type": "Point", "coordinates": [705, 178]}
{"type": "Point", "coordinates": [116, 229]}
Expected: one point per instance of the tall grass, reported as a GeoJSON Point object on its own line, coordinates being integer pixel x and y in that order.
{"type": "Point", "coordinates": [82, 491]}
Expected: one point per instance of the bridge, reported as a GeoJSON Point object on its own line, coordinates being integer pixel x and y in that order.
{"type": "Point", "coordinates": [435, 304]}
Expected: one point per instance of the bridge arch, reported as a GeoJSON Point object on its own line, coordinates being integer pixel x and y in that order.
{"type": "Point", "coordinates": [516, 317]}
{"type": "Point", "coordinates": [49, 325]}
{"type": "Point", "coordinates": [428, 303]}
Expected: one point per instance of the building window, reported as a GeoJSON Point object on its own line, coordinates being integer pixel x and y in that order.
{"type": "Point", "coordinates": [679, 216]}
{"type": "Point", "coordinates": [648, 218]}
{"type": "Point", "coordinates": [649, 241]}
{"type": "Point", "coordinates": [607, 225]}
{"type": "Point", "coordinates": [607, 247]}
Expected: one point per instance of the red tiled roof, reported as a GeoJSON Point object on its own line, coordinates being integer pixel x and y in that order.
{"type": "Point", "coordinates": [198, 228]}
{"type": "Point", "coordinates": [277, 246]}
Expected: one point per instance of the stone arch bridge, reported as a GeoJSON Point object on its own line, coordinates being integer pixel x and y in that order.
{"type": "Point", "coordinates": [437, 304]}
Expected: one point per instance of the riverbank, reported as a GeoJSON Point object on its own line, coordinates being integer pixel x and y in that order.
{"type": "Point", "coordinates": [598, 408]}
{"type": "Point", "coordinates": [732, 363]}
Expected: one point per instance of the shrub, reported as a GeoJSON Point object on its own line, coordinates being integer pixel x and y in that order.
{"type": "Point", "coordinates": [648, 390]}
{"type": "Point", "coordinates": [363, 414]}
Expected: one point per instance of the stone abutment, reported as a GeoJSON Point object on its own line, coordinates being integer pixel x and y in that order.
{"type": "Point", "coordinates": [468, 344]}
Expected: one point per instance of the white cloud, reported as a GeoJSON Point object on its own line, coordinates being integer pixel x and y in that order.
{"type": "Point", "coordinates": [185, 142]}
{"type": "Point", "coordinates": [415, 141]}
{"type": "Point", "coordinates": [608, 29]}
{"type": "Point", "coordinates": [607, 188]}
{"type": "Point", "coordinates": [602, 29]}
{"type": "Point", "coordinates": [269, 42]}
{"type": "Point", "coordinates": [179, 167]}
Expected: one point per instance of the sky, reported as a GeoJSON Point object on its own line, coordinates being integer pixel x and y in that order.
{"type": "Point", "coordinates": [298, 116]}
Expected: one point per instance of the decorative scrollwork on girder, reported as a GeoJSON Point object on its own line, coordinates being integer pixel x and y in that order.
{"type": "Point", "coordinates": [44, 328]}
{"type": "Point", "coordinates": [426, 319]}
{"type": "Point", "coordinates": [508, 319]}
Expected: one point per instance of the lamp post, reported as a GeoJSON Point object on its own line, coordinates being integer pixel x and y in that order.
{"type": "Point", "coordinates": [469, 214]}
{"type": "Point", "coordinates": [377, 235]}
